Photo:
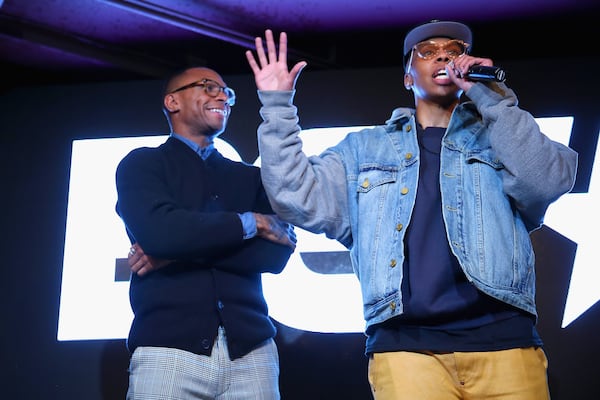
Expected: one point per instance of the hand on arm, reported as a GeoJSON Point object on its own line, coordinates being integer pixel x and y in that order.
{"type": "Point", "coordinates": [140, 263]}
{"type": "Point", "coordinates": [271, 227]}
{"type": "Point", "coordinates": [268, 226]}
{"type": "Point", "coordinates": [271, 70]}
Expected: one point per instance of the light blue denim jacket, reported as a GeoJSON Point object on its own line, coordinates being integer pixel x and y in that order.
{"type": "Point", "coordinates": [498, 175]}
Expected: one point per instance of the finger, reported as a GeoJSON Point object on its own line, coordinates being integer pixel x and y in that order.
{"type": "Point", "coordinates": [252, 62]}
{"type": "Point", "coordinates": [143, 266]}
{"type": "Point", "coordinates": [292, 243]}
{"type": "Point", "coordinates": [295, 72]}
{"type": "Point", "coordinates": [135, 267]}
{"type": "Point", "coordinates": [290, 234]}
{"type": "Point", "coordinates": [272, 55]}
{"type": "Point", "coordinates": [452, 71]}
{"type": "Point", "coordinates": [283, 47]}
{"type": "Point", "coordinates": [133, 259]}
{"type": "Point", "coordinates": [260, 52]}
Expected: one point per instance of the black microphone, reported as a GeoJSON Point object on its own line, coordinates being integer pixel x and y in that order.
{"type": "Point", "coordinates": [480, 73]}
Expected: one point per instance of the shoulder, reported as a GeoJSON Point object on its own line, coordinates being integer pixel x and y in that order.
{"type": "Point", "coordinates": [361, 136]}
{"type": "Point", "coordinates": [142, 158]}
{"type": "Point", "coordinates": [141, 154]}
{"type": "Point", "coordinates": [233, 164]}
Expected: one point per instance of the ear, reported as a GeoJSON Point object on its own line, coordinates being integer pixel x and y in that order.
{"type": "Point", "coordinates": [408, 81]}
{"type": "Point", "coordinates": [170, 102]}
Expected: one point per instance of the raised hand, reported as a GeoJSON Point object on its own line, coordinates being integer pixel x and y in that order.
{"type": "Point", "coordinates": [271, 70]}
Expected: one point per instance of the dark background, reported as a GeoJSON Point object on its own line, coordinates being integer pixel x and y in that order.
{"type": "Point", "coordinates": [38, 125]}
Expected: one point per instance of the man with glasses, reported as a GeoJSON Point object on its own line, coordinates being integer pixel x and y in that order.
{"type": "Point", "coordinates": [202, 233]}
{"type": "Point", "coordinates": [436, 207]}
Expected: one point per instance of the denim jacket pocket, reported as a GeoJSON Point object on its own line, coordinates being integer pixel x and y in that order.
{"type": "Point", "coordinates": [371, 177]}
{"type": "Point", "coordinates": [485, 156]}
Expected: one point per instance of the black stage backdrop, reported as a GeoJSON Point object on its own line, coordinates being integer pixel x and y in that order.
{"type": "Point", "coordinates": [38, 125]}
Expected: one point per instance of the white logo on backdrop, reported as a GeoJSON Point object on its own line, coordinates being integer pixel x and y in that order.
{"type": "Point", "coordinates": [317, 290]}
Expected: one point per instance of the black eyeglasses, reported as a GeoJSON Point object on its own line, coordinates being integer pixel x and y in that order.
{"type": "Point", "coordinates": [211, 88]}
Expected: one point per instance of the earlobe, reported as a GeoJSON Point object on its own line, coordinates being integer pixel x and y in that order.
{"type": "Point", "coordinates": [170, 103]}
{"type": "Point", "coordinates": [408, 81]}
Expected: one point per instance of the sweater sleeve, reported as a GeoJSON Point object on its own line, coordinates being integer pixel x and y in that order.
{"type": "Point", "coordinates": [309, 192]}
{"type": "Point", "coordinates": [157, 220]}
{"type": "Point", "coordinates": [165, 229]}
{"type": "Point", "coordinates": [256, 255]}
{"type": "Point", "coordinates": [537, 170]}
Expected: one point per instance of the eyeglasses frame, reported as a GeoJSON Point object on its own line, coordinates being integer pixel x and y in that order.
{"type": "Point", "coordinates": [414, 50]}
{"type": "Point", "coordinates": [229, 92]}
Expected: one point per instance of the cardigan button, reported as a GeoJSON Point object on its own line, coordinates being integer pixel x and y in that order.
{"type": "Point", "coordinates": [205, 344]}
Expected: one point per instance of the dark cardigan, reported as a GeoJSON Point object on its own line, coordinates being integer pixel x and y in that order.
{"type": "Point", "coordinates": [179, 207]}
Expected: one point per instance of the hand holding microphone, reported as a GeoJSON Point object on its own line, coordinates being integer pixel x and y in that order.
{"type": "Point", "coordinates": [480, 73]}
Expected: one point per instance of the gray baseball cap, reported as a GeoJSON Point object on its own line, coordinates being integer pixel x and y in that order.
{"type": "Point", "coordinates": [436, 28]}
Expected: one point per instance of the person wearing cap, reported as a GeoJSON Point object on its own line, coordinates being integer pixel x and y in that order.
{"type": "Point", "coordinates": [436, 207]}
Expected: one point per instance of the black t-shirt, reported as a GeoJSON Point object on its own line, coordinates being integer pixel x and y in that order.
{"type": "Point", "coordinates": [442, 310]}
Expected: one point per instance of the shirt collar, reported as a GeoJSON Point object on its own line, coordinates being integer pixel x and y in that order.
{"type": "Point", "coordinates": [204, 153]}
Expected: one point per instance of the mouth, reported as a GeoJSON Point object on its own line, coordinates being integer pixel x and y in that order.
{"type": "Point", "coordinates": [440, 74]}
{"type": "Point", "coordinates": [441, 77]}
{"type": "Point", "coordinates": [223, 112]}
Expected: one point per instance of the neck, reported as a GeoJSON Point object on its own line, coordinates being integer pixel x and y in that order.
{"type": "Point", "coordinates": [200, 139]}
{"type": "Point", "coordinates": [203, 141]}
{"type": "Point", "coordinates": [433, 114]}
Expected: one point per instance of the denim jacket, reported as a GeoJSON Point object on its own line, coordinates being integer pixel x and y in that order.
{"type": "Point", "coordinates": [498, 176]}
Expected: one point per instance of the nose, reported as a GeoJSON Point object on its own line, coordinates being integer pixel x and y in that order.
{"type": "Point", "coordinates": [443, 55]}
{"type": "Point", "coordinates": [221, 95]}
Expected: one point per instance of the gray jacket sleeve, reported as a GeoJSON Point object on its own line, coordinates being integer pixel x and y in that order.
{"type": "Point", "coordinates": [307, 191]}
{"type": "Point", "coordinates": [537, 170]}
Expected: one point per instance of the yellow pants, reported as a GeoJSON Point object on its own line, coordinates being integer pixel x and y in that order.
{"type": "Point", "coordinates": [516, 374]}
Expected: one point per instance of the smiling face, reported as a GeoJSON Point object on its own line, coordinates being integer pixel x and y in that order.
{"type": "Point", "coordinates": [192, 112]}
{"type": "Point", "coordinates": [427, 77]}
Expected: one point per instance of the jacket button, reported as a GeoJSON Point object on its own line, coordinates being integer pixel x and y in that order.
{"type": "Point", "coordinates": [399, 227]}
{"type": "Point", "coordinates": [408, 156]}
{"type": "Point", "coordinates": [408, 128]}
{"type": "Point", "coordinates": [365, 183]}
{"type": "Point", "coordinates": [404, 190]}
{"type": "Point", "coordinates": [393, 263]}
{"type": "Point", "coordinates": [393, 306]}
